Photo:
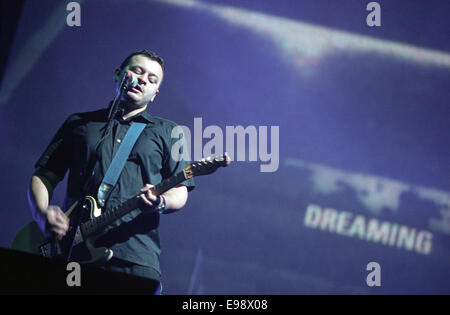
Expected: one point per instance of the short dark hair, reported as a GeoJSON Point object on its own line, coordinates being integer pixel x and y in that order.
{"type": "Point", "coordinates": [149, 54]}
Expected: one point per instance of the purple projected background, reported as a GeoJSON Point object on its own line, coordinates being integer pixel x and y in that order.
{"type": "Point", "coordinates": [362, 113]}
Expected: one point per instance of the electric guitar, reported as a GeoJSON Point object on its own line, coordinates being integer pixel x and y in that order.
{"type": "Point", "coordinates": [88, 221]}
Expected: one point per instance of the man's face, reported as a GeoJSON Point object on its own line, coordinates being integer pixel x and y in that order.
{"type": "Point", "coordinates": [149, 75]}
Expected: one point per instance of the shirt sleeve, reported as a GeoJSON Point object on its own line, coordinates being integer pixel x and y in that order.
{"type": "Point", "coordinates": [177, 158]}
{"type": "Point", "coordinates": [57, 156]}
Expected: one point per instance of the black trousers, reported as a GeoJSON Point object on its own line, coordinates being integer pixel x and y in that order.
{"type": "Point", "coordinates": [127, 267]}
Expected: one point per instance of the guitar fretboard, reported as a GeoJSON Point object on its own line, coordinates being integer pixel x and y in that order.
{"type": "Point", "coordinates": [120, 210]}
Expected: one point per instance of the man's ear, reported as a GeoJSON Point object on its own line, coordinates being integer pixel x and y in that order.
{"type": "Point", "coordinates": [156, 93]}
{"type": "Point", "coordinates": [117, 74]}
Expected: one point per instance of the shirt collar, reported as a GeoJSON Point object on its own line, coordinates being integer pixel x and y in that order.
{"type": "Point", "coordinates": [146, 116]}
{"type": "Point", "coordinates": [141, 117]}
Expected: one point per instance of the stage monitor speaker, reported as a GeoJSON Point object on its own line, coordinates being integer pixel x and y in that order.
{"type": "Point", "coordinates": [24, 273]}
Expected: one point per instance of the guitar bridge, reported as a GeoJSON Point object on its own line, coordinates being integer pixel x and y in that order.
{"type": "Point", "coordinates": [45, 249]}
{"type": "Point", "coordinates": [50, 249]}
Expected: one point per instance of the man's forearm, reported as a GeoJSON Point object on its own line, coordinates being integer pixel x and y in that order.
{"type": "Point", "coordinates": [38, 197]}
{"type": "Point", "coordinates": [175, 198]}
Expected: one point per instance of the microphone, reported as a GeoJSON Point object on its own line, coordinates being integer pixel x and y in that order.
{"type": "Point", "coordinates": [128, 81]}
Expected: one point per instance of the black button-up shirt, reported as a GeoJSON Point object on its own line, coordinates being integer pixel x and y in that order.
{"type": "Point", "coordinates": [135, 236]}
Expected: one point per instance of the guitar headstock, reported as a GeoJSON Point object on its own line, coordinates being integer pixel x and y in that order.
{"type": "Point", "coordinates": [207, 165]}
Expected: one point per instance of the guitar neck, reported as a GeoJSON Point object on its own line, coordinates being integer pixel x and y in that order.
{"type": "Point", "coordinates": [112, 214]}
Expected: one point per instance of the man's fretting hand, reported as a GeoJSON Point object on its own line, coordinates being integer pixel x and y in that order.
{"type": "Point", "coordinates": [149, 199]}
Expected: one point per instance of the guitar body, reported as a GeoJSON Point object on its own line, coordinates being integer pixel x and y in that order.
{"type": "Point", "coordinates": [74, 246]}
{"type": "Point", "coordinates": [28, 239]}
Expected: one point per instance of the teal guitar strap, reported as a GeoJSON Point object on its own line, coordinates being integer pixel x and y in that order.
{"type": "Point", "coordinates": [117, 164]}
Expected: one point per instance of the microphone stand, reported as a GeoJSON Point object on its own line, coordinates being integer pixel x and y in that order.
{"type": "Point", "coordinates": [114, 107]}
